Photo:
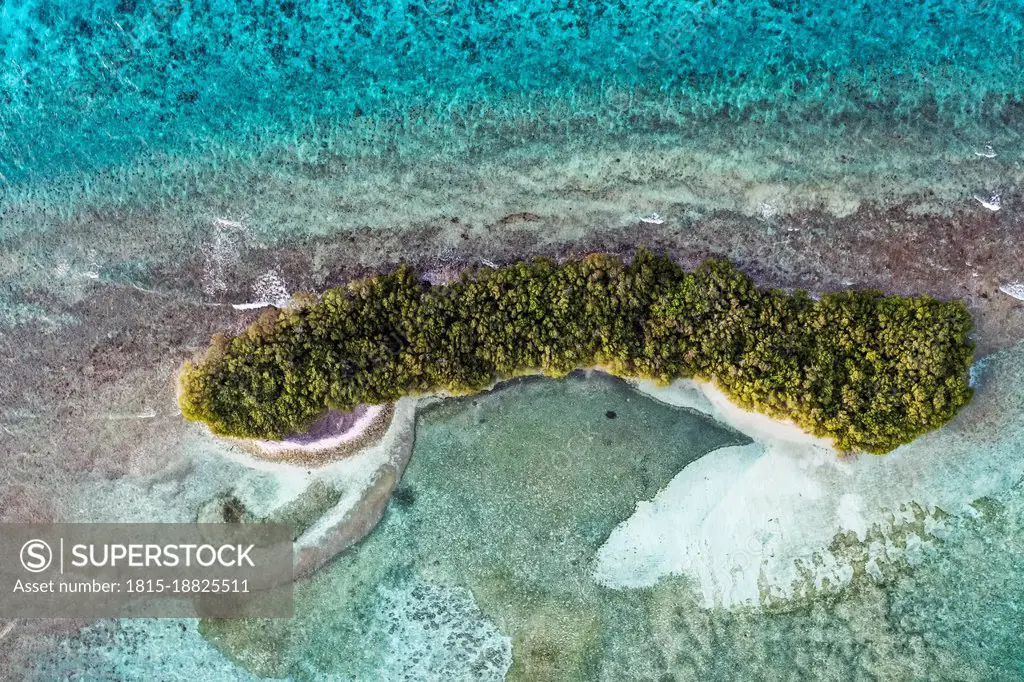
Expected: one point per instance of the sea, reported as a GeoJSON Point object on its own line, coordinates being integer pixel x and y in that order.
{"type": "Point", "coordinates": [186, 150]}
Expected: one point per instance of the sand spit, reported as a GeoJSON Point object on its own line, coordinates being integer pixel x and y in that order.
{"type": "Point", "coordinates": [334, 436]}
{"type": "Point", "coordinates": [362, 469]}
{"type": "Point", "coordinates": [751, 525]}
{"type": "Point", "coordinates": [367, 486]}
{"type": "Point", "coordinates": [787, 517]}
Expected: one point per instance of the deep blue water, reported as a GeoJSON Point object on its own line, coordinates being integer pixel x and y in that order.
{"type": "Point", "coordinates": [89, 84]}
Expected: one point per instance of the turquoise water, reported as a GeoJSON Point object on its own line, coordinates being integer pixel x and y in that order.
{"type": "Point", "coordinates": [481, 570]}
{"type": "Point", "coordinates": [482, 563]}
{"type": "Point", "coordinates": [169, 146]}
{"type": "Point", "coordinates": [87, 85]}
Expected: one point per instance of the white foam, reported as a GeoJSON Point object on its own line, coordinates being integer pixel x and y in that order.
{"type": "Point", "coordinates": [993, 203]}
{"type": "Point", "coordinates": [1015, 289]}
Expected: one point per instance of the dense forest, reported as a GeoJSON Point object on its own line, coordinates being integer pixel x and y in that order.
{"type": "Point", "coordinates": [868, 370]}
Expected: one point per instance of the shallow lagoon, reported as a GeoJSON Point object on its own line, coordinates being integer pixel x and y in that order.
{"type": "Point", "coordinates": [489, 547]}
{"type": "Point", "coordinates": [482, 568]}
{"type": "Point", "coordinates": [158, 161]}
{"type": "Point", "coordinates": [483, 558]}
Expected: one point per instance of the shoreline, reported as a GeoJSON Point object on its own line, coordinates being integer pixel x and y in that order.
{"type": "Point", "coordinates": [367, 429]}
{"type": "Point", "coordinates": [364, 471]}
{"type": "Point", "coordinates": [370, 471]}
{"type": "Point", "coordinates": [744, 522]}
{"type": "Point", "coordinates": [706, 397]}
{"type": "Point", "coordinates": [359, 510]}
{"type": "Point", "coordinates": [785, 519]}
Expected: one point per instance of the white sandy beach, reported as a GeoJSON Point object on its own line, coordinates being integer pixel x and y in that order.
{"type": "Point", "coordinates": [356, 430]}
{"type": "Point", "coordinates": [747, 524]}
{"type": "Point", "coordinates": [365, 478]}
{"type": "Point", "coordinates": [754, 523]}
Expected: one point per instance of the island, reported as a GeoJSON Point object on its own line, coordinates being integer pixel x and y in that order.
{"type": "Point", "coordinates": [866, 370]}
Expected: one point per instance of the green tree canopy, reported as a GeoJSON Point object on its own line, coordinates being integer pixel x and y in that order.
{"type": "Point", "coordinates": [869, 371]}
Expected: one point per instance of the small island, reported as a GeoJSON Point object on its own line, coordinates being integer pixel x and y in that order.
{"type": "Point", "coordinates": [866, 370]}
